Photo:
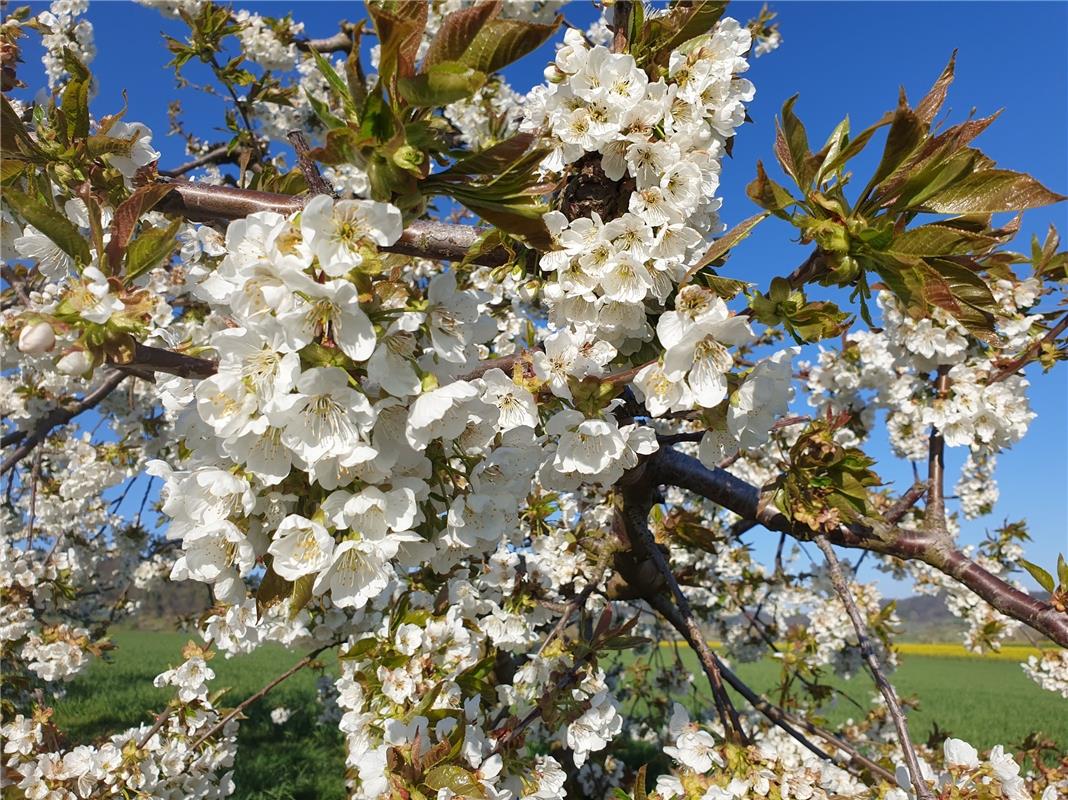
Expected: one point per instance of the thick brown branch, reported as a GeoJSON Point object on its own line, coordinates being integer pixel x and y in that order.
{"type": "Point", "coordinates": [202, 202]}
{"type": "Point", "coordinates": [60, 415]}
{"type": "Point", "coordinates": [893, 705]}
{"type": "Point", "coordinates": [637, 501]}
{"type": "Point", "coordinates": [677, 469]}
{"type": "Point", "coordinates": [340, 42]}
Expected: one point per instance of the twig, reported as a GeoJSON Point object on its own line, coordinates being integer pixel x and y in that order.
{"type": "Point", "coordinates": [316, 183]}
{"type": "Point", "coordinates": [905, 502]}
{"type": "Point", "coordinates": [220, 154]}
{"type": "Point", "coordinates": [260, 694]}
{"type": "Point", "coordinates": [935, 512]}
{"type": "Point", "coordinates": [1022, 359]}
{"type": "Point", "coordinates": [893, 706]}
{"type": "Point", "coordinates": [60, 415]}
{"type": "Point", "coordinates": [35, 477]}
{"type": "Point", "coordinates": [775, 714]}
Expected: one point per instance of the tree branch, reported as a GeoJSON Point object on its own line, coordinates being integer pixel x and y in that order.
{"type": "Point", "coordinates": [637, 501]}
{"type": "Point", "coordinates": [259, 695]}
{"type": "Point", "coordinates": [340, 42]}
{"type": "Point", "coordinates": [677, 469]}
{"type": "Point", "coordinates": [202, 202]}
{"type": "Point", "coordinates": [217, 155]}
{"type": "Point", "coordinates": [775, 714]}
{"type": "Point", "coordinates": [934, 515]}
{"type": "Point", "coordinates": [893, 705]}
{"type": "Point", "coordinates": [1022, 359]}
{"type": "Point", "coordinates": [60, 415]}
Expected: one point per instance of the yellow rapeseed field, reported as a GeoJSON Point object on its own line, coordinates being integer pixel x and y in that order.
{"type": "Point", "coordinates": [1008, 652]}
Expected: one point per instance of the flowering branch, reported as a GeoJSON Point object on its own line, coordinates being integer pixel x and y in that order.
{"type": "Point", "coordinates": [777, 715]}
{"type": "Point", "coordinates": [893, 706]}
{"type": "Point", "coordinates": [1021, 360]}
{"type": "Point", "coordinates": [60, 415]}
{"type": "Point", "coordinates": [677, 469]}
{"type": "Point", "coordinates": [205, 202]}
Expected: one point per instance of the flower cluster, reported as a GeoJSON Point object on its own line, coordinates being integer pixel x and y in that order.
{"type": "Point", "coordinates": [664, 139]}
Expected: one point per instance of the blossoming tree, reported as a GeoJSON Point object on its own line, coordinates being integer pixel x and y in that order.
{"type": "Point", "coordinates": [473, 461]}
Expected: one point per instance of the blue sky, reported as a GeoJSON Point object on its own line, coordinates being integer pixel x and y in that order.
{"type": "Point", "coordinates": [843, 58]}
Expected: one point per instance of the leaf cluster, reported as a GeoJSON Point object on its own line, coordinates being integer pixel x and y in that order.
{"type": "Point", "coordinates": [944, 263]}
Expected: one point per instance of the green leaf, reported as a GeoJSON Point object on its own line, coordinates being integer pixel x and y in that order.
{"type": "Point", "coordinates": [791, 146]}
{"type": "Point", "coordinates": [502, 41]}
{"type": "Point", "coordinates": [301, 595]}
{"type": "Point", "coordinates": [124, 221]}
{"type": "Point", "coordinates": [335, 81]}
{"type": "Point", "coordinates": [150, 249]}
{"type": "Point", "coordinates": [990, 191]}
{"type": "Point", "coordinates": [906, 133]}
{"type": "Point", "coordinates": [323, 112]}
{"type": "Point", "coordinates": [443, 83]}
{"type": "Point", "coordinates": [340, 147]}
{"type": "Point", "coordinates": [1062, 570]}
{"type": "Point", "coordinates": [455, 778]}
{"type": "Point", "coordinates": [51, 223]}
{"type": "Point", "coordinates": [723, 244]}
{"type": "Point", "coordinates": [400, 26]}
{"type": "Point", "coordinates": [75, 104]}
{"type": "Point", "coordinates": [1044, 579]}
{"type": "Point", "coordinates": [663, 33]}
{"type": "Point", "coordinates": [928, 107]}
{"type": "Point", "coordinates": [768, 194]}
{"type": "Point", "coordinates": [458, 30]}
{"type": "Point", "coordinates": [938, 239]}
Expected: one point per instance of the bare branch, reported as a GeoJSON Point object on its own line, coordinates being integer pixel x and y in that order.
{"type": "Point", "coordinates": [308, 659]}
{"type": "Point", "coordinates": [340, 42]}
{"type": "Point", "coordinates": [60, 415]}
{"type": "Point", "coordinates": [905, 502]}
{"type": "Point", "coordinates": [893, 705]}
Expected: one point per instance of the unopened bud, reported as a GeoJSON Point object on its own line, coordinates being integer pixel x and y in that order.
{"type": "Point", "coordinates": [37, 339]}
{"type": "Point", "coordinates": [76, 362]}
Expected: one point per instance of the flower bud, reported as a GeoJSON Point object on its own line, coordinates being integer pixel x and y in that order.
{"type": "Point", "coordinates": [76, 362]}
{"type": "Point", "coordinates": [37, 339]}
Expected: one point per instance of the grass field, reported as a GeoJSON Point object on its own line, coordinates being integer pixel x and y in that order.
{"type": "Point", "coordinates": [986, 701]}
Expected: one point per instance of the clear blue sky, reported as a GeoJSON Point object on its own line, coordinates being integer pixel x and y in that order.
{"type": "Point", "coordinates": [843, 58]}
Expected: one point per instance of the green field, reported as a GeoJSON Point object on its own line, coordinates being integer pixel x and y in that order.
{"type": "Point", "coordinates": [985, 701]}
